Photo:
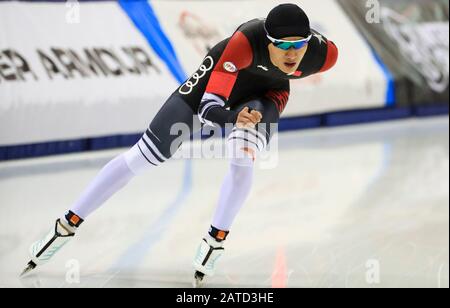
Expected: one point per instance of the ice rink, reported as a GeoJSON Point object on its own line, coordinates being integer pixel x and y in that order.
{"type": "Point", "coordinates": [355, 206]}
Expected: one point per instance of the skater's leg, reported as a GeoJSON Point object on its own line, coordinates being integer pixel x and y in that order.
{"type": "Point", "coordinates": [235, 189]}
{"type": "Point", "coordinates": [234, 192]}
{"type": "Point", "coordinates": [243, 147]}
{"type": "Point", "coordinates": [156, 146]}
{"type": "Point", "coordinates": [115, 175]}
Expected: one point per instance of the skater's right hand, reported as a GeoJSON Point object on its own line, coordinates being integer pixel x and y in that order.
{"type": "Point", "coordinates": [248, 119]}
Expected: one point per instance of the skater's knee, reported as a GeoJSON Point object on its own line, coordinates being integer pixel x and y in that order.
{"type": "Point", "coordinates": [143, 156]}
{"type": "Point", "coordinates": [244, 145]}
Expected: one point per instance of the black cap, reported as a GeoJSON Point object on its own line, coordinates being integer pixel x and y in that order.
{"type": "Point", "coordinates": [287, 20]}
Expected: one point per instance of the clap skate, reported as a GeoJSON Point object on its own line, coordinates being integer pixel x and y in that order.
{"type": "Point", "coordinates": [43, 250]}
{"type": "Point", "coordinates": [209, 251]}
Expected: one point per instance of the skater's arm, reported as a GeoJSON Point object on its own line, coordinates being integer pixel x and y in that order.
{"type": "Point", "coordinates": [279, 95]}
{"type": "Point", "coordinates": [237, 55]}
{"type": "Point", "coordinates": [321, 55]}
{"type": "Point", "coordinates": [212, 111]}
{"type": "Point", "coordinates": [222, 116]}
{"type": "Point", "coordinates": [331, 57]}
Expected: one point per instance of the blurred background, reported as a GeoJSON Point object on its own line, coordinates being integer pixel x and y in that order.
{"type": "Point", "coordinates": [359, 196]}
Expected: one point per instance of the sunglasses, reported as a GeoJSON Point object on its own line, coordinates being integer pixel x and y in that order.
{"type": "Point", "coordinates": [286, 45]}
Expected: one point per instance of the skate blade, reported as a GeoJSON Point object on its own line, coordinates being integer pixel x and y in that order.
{"type": "Point", "coordinates": [197, 282]}
{"type": "Point", "coordinates": [31, 266]}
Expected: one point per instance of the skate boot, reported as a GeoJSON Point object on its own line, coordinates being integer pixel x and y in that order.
{"type": "Point", "coordinates": [209, 251]}
{"type": "Point", "coordinates": [62, 232]}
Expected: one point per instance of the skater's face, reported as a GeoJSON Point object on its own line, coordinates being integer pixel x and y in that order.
{"type": "Point", "coordinates": [287, 60]}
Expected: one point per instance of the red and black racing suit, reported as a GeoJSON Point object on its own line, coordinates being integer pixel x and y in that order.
{"type": "Point", "coordinates": [236, 73]}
